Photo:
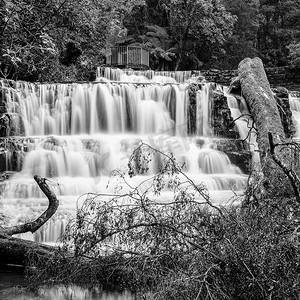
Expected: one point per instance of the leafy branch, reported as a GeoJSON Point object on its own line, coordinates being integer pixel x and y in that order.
{"type": "Point", "coordinates": [140, 220]}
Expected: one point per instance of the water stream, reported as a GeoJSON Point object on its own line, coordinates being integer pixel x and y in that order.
{"type": "Point", "coordinates": [76, 134]}
{"type": "Point", "coordinates": [13, 286]}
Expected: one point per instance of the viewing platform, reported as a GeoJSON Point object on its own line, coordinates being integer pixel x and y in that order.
{"type": "Point", "coordinates": [134, 57]}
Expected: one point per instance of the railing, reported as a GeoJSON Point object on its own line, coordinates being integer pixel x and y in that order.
{"type": "Point", "coordinates": [128, 57]}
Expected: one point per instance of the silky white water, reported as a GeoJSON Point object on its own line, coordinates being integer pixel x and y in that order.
{"type": "Point", "coordinates": [294, 101]}
{"type": "Point", "coordinates": [75, 135]}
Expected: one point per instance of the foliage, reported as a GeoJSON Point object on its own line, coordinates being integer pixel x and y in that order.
{"type": "Point", "coordinates": [279, 27]}
{"type": "Point", "coordinates": [197, 24]}
{"type": "Point", "coordinates": [207, 35]}
{"type": "Point", "coordinates": [25, 42]}
{"type": "Point", "coordinates": [294, 55]}
{"type": "Point", "coordinates": [257, 258]}
{"type": "Point", "coordinates": [179, 32]}
{"type": "Point", "coordinates": [39, 39]}
{"type": "Point", "coordinates": [178, 248]}
{"type": "Point", "coordinates": [243, 42]}
{"type": "Point", "coordinates": [138, 221]}
{"type": "Point", "coordinates": [157, 40]}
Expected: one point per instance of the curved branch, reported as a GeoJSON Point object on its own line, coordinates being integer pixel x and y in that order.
{"type": "Point", "coordinates": [43, 218]}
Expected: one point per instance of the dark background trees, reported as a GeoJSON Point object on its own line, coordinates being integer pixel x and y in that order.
{"type": "Point", "coordinates": [56, 39]}
{"type": "Point", "coordinates": [66, 40]}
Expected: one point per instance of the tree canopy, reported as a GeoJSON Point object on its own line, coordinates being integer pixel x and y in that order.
{"type": "Point", "coordinates": [63, 39]}
{"type": "Point", "coordinates": [39, 39]}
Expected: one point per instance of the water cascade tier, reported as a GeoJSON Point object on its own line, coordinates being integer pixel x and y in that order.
{"type": "Point", "coordinates": [294, 101]}
{"type": "Point", "coordinates": [115, 74]}
{"type": "Point", "coordinates": [75, 135]}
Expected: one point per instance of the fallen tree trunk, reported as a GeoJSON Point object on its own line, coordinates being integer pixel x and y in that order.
{"type": "Point", "coordinates": [14, 250]}
{"type": "Point", "coordinates": [262, 104]}
{"type": "Point", "coordinates": [263, 107]}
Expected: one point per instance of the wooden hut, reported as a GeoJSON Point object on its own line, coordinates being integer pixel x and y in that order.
{"type": "Point", "coordinates": [134, 57]}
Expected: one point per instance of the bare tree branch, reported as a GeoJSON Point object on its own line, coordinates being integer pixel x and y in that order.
{"type": "Point", "coordinates": [43, 218]}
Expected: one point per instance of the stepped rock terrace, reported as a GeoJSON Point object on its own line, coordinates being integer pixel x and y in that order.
{"type": "Point", "coordinates": [77, 134]}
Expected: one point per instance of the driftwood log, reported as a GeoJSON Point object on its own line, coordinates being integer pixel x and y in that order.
{"type": "Point", "coordinates": [15, 250]}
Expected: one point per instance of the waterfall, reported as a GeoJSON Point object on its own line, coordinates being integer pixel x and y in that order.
{"type": "Point", "coordinates": [145, 76]}
{"type": "Point", "coordinates": [203, 114]}
{"type": "Point", "coordinates": [240, 113]}
{"type": "Point", "coordinates": [75, 135]}
{"type": "Point", "coordinates": [244, 123]}
{"type": "Point", "coordinates": [294, 100]}
{"type": "Point", "coordinates": [99, 108]}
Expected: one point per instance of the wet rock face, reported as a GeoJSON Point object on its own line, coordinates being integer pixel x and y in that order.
{"type": "Point", "coordinates": [3, 108]}
{"type": "Point", "coordinates": [236, 149]}
{"type": "Point", "coordinates": [238, 152]}
{"type": "Point", "coordinates": [242, 159]}
{"type": "Point", "coordinates": [283, 76]}
{"type": "Point", "coordinates": [4, 125]}
{"type": "Point", "coordinates": [235, 86]}
{"type": "Point", "coordinates": [11, 121]}
{"type": "Point", "coordinates": [220, 76]}
{"type": "Point", "coordinates": [4, 118]}
{"type": "Point", "coordinates": [192, 107]}
{"type": "Point", "coordinates": [282, 99]}
{"type": "Point", "coordinates": [12, 153]}
{"type": "Point", "coordinates": [11, 124]}
{"type": "Point", "coordinates": [222, 122]}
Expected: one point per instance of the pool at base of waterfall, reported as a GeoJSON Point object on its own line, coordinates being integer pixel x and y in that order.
{"type": "Point", "coordinates": [13, 286]}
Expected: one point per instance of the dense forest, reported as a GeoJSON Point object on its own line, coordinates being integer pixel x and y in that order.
{"type": "Point", "coordinates": [65, 40]}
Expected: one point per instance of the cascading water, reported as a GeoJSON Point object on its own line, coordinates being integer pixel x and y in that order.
{"type": "Point", "coordinates": [204, 112]}
{"type": "Point", "coordinates": [294, 100]}
{"type": "Point", "coordinates": [76, 134]}
{"type": "Point", "coordinates": [244, 123]}
{"type": "Point", "coordinates": [145, 76]}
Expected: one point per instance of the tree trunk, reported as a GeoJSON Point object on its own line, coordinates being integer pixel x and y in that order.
{"type": "Point", "coordinates": [262, 104]}
{"type": "Point", "coordinates": [263, 107]}
{"type": "Point", "coordinates": [15, 251]}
